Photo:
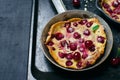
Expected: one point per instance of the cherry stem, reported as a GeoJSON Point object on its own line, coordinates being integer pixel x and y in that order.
{"type": "Point", "coordinates": [118, 52]}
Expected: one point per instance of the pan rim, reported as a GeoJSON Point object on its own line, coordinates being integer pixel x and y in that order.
{"type": "Point", "coordinates": [85, 69]}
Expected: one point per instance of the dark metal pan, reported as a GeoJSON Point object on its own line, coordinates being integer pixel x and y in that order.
{"type": "Point", "coordinates": [100, 9]}
{"type": "Point", "coordinates": [75, 14]}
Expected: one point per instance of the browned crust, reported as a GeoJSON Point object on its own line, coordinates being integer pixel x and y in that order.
{"type": "Point", "coordinates": [93, 56]}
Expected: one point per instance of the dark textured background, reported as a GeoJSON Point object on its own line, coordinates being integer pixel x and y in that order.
{"type": "Point", "coordinates": [14, 38]}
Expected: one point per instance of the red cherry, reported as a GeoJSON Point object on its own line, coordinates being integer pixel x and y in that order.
{"type": "Point", "coordinates": [115, 61]}
{"type": "Point", "coordinates": [88, 64]}
{"type": "Point", "coordinates": [70, 29]}
{"type": "Point", "coordinates": [76, 3]}
{"type": "Point", "coordinates": [100, 39]}
{"type": "Point", "coordinates": [86, 32]}
{"type": "Point", "coordinates": [62, 55]}
{"type": "Point", "coordinates": [69, 56]}
{"type": "Point", "coordinates": [76, 35]}
{"type": "Point", "coordinates": [115, 4]}
{"type": "Point", "coordinates": [82, 22]}
{"type": "Point", "coordinates": [88, 43]}
{"type": "Point", "coordinates": [105, 5]}
{"type": "Point", "coordinates": [118, 1]}
{"type": "Point", "coordinates": [117, 10]}
{"type": "Point", "coordinates": [73, 46]}
{"type": "Point", "coordinates": [81, 49]}
{"type": "Point", "coordinates": [75, 24]}
{"type": "Point", "coordinates": [79, 64]}
{"type": "Point", "coordinates": [69, 63]}
{"type": "Point", "coordinates": [76, 56]}
{"type": "Point", "coordinates": [109, 10]}
{"type": "Point", "coordinates": [67, 24]}
{"type": "Point", "coordinates": [50, 43]}
{"type": "Point", "coordinates": [59, 36]}
{"type": "Point", "coordinates": [115, 17]}
{"type": "Point", "coordinates": [92, 48]}
{"type": "Point", "coordinates": [89, 24]}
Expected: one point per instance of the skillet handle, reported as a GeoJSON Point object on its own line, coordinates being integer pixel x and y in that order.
{"type": "Point", "coordinates": [59, 5]}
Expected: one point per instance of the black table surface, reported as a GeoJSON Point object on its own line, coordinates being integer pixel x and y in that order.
{"type": "Point", "coordinates": [15, 21]}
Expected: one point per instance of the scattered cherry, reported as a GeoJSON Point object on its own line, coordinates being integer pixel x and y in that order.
{"type": "Point", "coordinates": [69, 63]}
{"type": "Point", "coordinates": [76, 56]}
{"type": "Point", "coordinates": [76, 3]}
{"type": "Point", "coordinates": [76, 35]}
{"type": "Point", "coordinates": [115, 61]}
{"type": "Point", "coordinates": [59, 36]}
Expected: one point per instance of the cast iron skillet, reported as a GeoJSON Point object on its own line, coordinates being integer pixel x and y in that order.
{"type": "Point", "coordinates": [76, 14]}
{"type": "Point", "coordinates": [100, 9]}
